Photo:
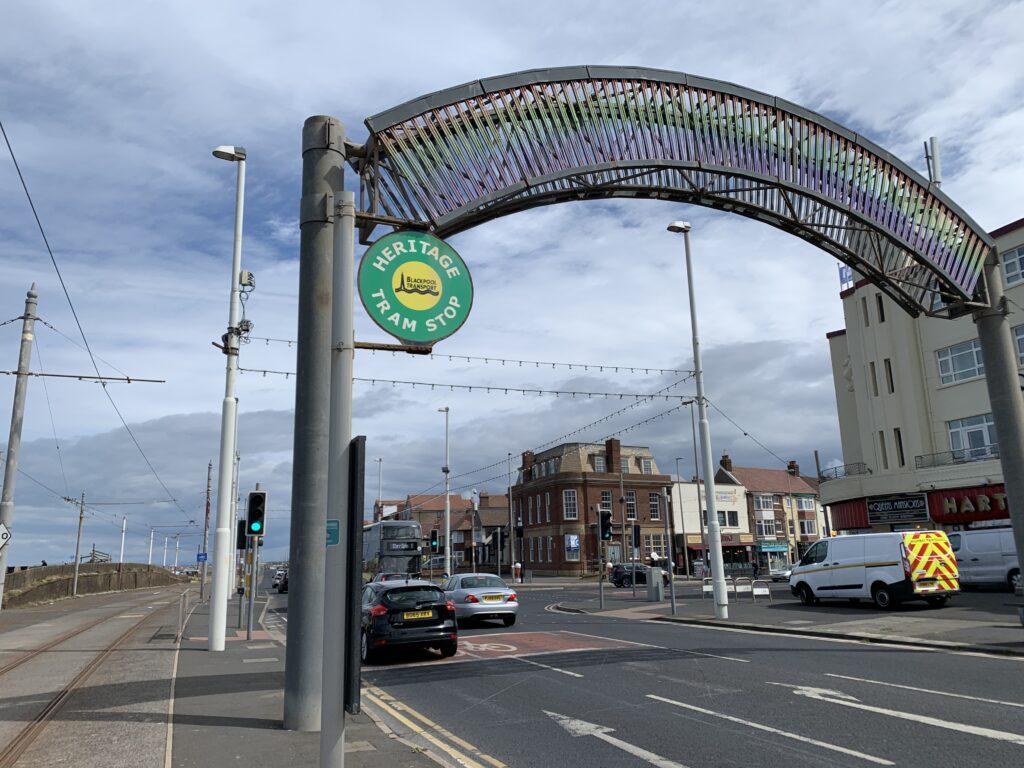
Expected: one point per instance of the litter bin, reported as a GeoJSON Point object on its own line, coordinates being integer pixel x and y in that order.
{"type": "Point", "coordinates": [655, 585]}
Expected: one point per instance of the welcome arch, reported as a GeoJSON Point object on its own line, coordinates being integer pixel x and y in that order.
{"type": "Point", "coordinates": [456, 158]}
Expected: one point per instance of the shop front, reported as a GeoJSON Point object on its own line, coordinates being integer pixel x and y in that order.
{"type": "Point", "coordinates": [771, 555]}
{"type": "Point", "coordinates": [949, 508]}
{"type": "Point", "coordinates": [736, 553]}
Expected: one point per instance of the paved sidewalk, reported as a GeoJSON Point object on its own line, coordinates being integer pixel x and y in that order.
{"type": "Point", "coordinates": [979, 621]}
{"type": "Point", "coordinates": [228, 709]}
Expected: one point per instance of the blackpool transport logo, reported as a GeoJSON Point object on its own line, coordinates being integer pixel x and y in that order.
{"type": "Point", "coordinates": [415, 286]}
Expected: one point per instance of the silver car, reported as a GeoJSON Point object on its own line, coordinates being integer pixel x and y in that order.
{"type": "Point", "coordinates": [482, 596]}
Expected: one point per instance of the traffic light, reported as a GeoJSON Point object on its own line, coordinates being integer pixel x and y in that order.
{"type": "Point", "coordinates": [240, 542]}
{"type": "Point", "coordinates": [636, 535]}
{"type": "Point", "coordinates": [256, 512]}
{"type": "Point", "coordinates": [434, 546]}
{"type": "Point", "coordinates": [606, 526]}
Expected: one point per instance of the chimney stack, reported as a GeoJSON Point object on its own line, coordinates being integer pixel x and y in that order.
{"type": "Point", "coordinates": [725, 462]}
{"type": "Point", "coordinates": [793, 468]}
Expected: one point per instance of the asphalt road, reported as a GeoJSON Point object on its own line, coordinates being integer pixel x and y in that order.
{"type": "Point", "coordinates": [577, 690]}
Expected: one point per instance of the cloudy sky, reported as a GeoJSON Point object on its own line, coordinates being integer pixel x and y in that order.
{"type": "Point", "coordinates": [112, 108]}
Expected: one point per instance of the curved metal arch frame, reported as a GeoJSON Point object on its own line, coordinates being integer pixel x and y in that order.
{"type": "Point", "coordinates": [463, 156]}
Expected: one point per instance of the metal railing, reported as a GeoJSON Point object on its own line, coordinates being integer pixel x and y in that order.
{"type": "Point", "coordinates": [960, 456]}
{"type": "Point", "coordinates": [846, 470]}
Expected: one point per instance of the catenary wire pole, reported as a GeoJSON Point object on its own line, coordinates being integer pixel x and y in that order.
{"type": "Point", "coordinates": [670, 554]}
{"type": "Point", "coordinates": [78, 545]}
{"type": "Point", "coordinates": [17, 418]}
{"type": "Point", "coordinates": [336, 588]}
{"type": "Point", "coordinates": [323, 157]}
{"type": "Point", "coordinates": [149, 560]}
{"type": "Point", "coordinates": [206, 531]}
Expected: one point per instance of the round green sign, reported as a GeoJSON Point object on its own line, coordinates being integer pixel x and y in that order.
{"type": "Point", "coordinates": [415, 286]}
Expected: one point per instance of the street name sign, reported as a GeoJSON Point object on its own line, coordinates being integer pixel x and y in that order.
{"type": "Point", "coordinates": [415, 286]}
{"type": "Point", "coordinates": [201, 557]}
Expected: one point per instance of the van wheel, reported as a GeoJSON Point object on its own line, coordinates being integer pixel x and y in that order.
{"type": "Point", "coordinates": [936, 602]}
{"type": "Point", "coordinates": [1015, 581]}
{"type": "Point", "coordinates": [806, 595]}
{"type": "Point", "coordinates": [883, 597]}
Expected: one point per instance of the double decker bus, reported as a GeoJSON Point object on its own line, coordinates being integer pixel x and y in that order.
{"type": "Point", "coordinates": [391, 546]}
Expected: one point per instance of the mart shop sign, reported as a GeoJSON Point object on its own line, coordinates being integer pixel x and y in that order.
{"type": "Point", "coordinates": [415, 286]}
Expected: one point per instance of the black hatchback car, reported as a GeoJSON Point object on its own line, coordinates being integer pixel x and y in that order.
{"type": "Point", "coordinates": [623, 574]}
{"type": "Point", "coordinates": [407, 613]}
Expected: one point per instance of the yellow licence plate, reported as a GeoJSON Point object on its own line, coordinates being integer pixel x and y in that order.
{"type": "Point", "coordinates": [417, 614]}
{"type": "Point", "coordinates": [492, 598]}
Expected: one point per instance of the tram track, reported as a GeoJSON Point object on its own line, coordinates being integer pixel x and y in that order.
{"type": "Point", "coordinates": [11, 752]}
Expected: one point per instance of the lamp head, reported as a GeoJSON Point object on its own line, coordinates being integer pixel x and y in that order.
{"type": "Point", "coordinates": [232, 154]}
{"type": "Point", "coordinates": [679, 226]}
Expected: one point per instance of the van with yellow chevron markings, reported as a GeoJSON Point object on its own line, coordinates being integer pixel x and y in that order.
{"type": "Point", "coordinates": [887, 568]}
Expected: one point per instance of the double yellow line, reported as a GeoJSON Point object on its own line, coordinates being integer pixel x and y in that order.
{"type": "Point", "coordinates": [422, 726]}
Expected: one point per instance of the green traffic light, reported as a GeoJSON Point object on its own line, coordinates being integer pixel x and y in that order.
{"type": "Point", "coordinates": [256, 526]}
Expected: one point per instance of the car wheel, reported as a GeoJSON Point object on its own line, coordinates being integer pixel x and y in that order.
{"type": "Point", "coordinates": [936, 602]}
{"type": "Point", "coordinates": [508, 621]}
{"type": "Point", "coordinates": [1015, 581]}
{"type": "Point", "coordinates": [806, 595]}
{"type": "Point", "coordinates": [366, 652]}
{"type": "Point", "coordinates": [627, 581]}
{"type": "Point", "coordinates": [449, 649]}
{"type": "Point", "coordinates": [883, 597]}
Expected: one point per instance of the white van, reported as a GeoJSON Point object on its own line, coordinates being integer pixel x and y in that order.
{"type": "Point", "coordinates": [986, 556]}
{"type": "Point", "coordinates": [888, 568]}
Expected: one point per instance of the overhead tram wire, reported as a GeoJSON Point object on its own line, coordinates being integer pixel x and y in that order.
{"type": "Point", "coordinates": [601, 367]}
{"type": "Point", "coordinates": [53, 424]}
{"type": "Point", "coordinates": [78, 322]}
{"type": "Point", "coordinates": [746, 434]}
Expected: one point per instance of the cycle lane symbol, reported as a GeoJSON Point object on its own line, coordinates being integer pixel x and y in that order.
{"type": "Point", "coordinates": [468, 645]}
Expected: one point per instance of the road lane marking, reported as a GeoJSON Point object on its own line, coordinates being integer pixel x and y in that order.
{"type": "Point", "coordinates": [579, 728]}
{"type": "Point", "coordinates": [928, 690]}
{"type": "Point", "coordinates": [659, 647]}
{"type": "Point", "coordinates": [266, 660]}
{"type": "Point", "coordinates": [396, 708]}
{"type": "Point", "coordinates": [538, 664]}
{"type": "Point", "coordinates": [776, 731]}
{"type": "Point", "coordinates": [846, 700]}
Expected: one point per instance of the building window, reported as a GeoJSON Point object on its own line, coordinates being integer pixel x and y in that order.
{"type": "Point", "coordinates": [551, 549]}
{"type": "Point", "coordinates": [1018, 335]}
{"type": "Point", "coordinates": [606, 501]}
{"type": "Point", "coordinates": [808, 527]}
{"type": "Point", "coordinates": [763, 502]}
{"type": "Point", "coordinates": [864, 311]}
{"type": "Point", "coordinates": [655, 506]}
{"type": "Point", "coordinates": [598, 462]}
{"type": "Point", "coordinates": [1013, 265]}
{"type": "Point", "coordinates": [460, 556]}
{"type": "Point", "coordinates": [647, 466]}
{"type": "Point", "coordinates": [881, 307]}
{"type": "Point", "coordinates": [572, 548]}
{"type": "Point", "coordinates": [881, 448]}
{"type": "Point", "coordinates": [960, 362]}
{"type": "Point", "coordinates": [529, 510]}
{"type": "Point", "coordinates": [897, 438]}
{"type": "Point", "coordinates": [547, 507]}
{"type": "Point", "coordinates": [889, 383]}
{"type": "Point", "coordinates": [804, 503]}
{"type": "Point", "coordinates": [457, 537]}
{"type": "Point", "coordinates": [973, 436]}
{"type": "Point", "coordinates": [654, 543]}
{"type": "Point", "coordinates": [732, 518]}
{"type": "Point", "coordinates": [765, 529]}
{"type": "Point", "coordinates": [531, 549]}
{"type": "Point", "coordinates": [631, 505]}
{"type": "Point", "coordinates": [624, 465]}
{"type": "Point", "coordinates": [874, 378]}
{"type": "Point", "coordinates": [569, 509]}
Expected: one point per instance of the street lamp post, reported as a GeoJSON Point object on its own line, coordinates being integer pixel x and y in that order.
{"type": "Point", "coordinates": [380, 475]}
{"type": "Point", "coordinates": [682, 519]}
{"type": "Point", "coordinates": [714, 530]}
{"type": "Point", "coordinates": [228, 423]}
{"type": "Point", "coordinates": [447, 500]}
